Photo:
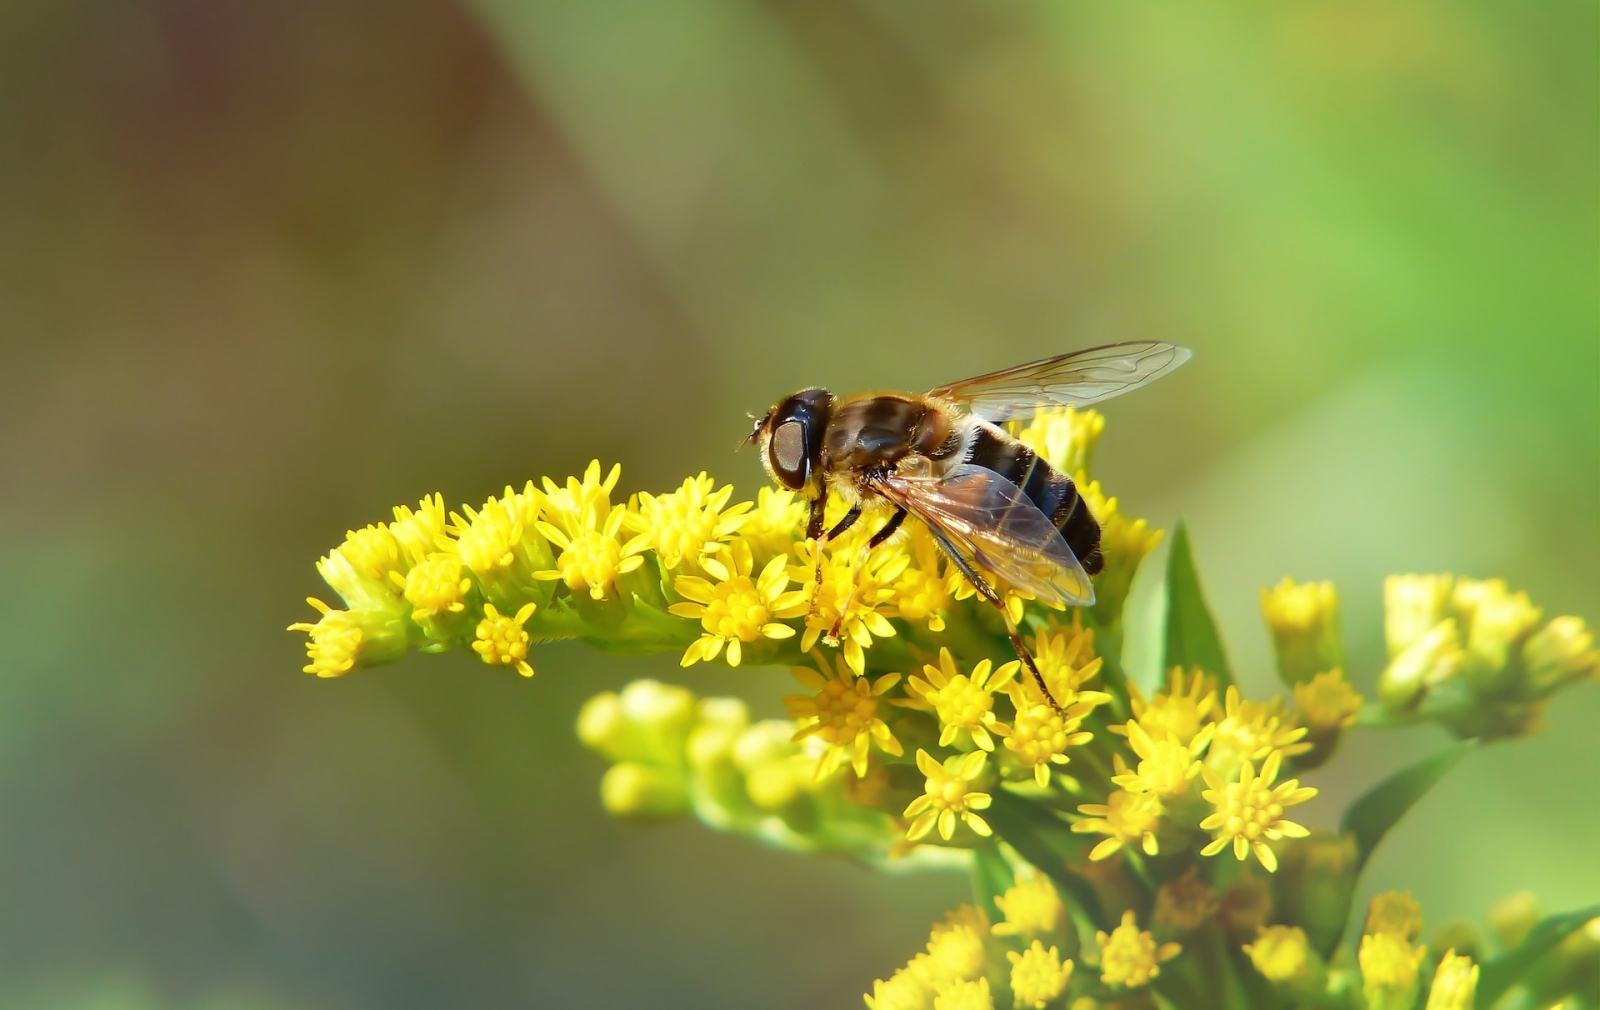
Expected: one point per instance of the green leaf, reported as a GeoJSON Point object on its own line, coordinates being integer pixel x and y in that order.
{"type": "Point", "coordinates": [991, 875]}
{"type": "Point", "coordinates": [1501, 973]}
{"type": "Point", "coordinates": [1381, 807]}
{"type": "Point", "coordinates": [1046, 841]}
{"type": "Point", "coordinates": [1192, 637]}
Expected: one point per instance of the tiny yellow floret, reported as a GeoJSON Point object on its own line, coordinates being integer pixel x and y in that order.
{"type": "Point", "coordinates": [689, 522]}
{"type": "Point", "coordinates": [1129, 956]}
{"type": "Point", "coordinates": [956, 950]}
{"type": "Point", "coordinates": [1038, 975]}
{"type": "Point", "coordinates": [948, 796]}
{"type": "Point", "coordinates": [1327, 702]}
{"type": "Point", "coordinates": [501, 640]}
{"type": "Point", "coordinates": [1032, 909]}
{"type": "Point", "coordinates": [964, 703]}
{"type": "Point", "coordinates": [1388, 970]}
{"type": "Point", "coordinates": [1181, 711]}
{"type": "Point", "coordinates": [1279, 952]}
{"type": "Point", "coordinates": [1455, 983]}
{"type": "Point", "coordinates": [1303, 617]}
{"type": "Point", "coordinates": [843, 713]}
{"type": "Point", "coordinates": [969, 995]}
{"type": "Point", "coordinates": [1166, 766]}
{"type": "Point", "coordinates": [736, 609]}
{"type": "Point", "coordinates": [437, 587]}
{"type": "Point", "coordinates": [1127, 818]}
{"type": "Point", "coordinates": [1249, 811]}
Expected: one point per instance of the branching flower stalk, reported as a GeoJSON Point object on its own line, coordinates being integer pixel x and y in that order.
{"type": "Point", "coordinates": [1130, 849]}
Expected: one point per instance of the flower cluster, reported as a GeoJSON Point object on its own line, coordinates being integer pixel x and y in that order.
{"type": "Point", "coordinates": [1097, 815]}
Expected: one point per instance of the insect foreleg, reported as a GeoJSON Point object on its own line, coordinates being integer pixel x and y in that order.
{"type": "Point", "coordinates": [884, 533]}
{"type": "Point", "coordinates": [988, 592]}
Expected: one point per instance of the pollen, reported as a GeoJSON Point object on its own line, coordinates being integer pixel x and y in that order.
{"type": "Point", "coordinates": [1126, 819]}
{"type": "Point", "coordinates": [1279, 952]}
{"type": "Point", "coordinates": [502, 640]}
{"type": "Point", "coordinates": [689, 522]}
{"type": "Point", "coordinates": [1249, 811]}
{"type": "Point", "coordinates": [1129, 956]}
{"type": "Point", "coordinates": [963, 703]}
{"type": "Point", "coordinates": [843, 712]}
{"type": "Point", "coordinates": [1327, 701]}
{"type": "Point", "coordinates": [1032, 909]}
{"type": "Point", "coordinates": [437, 587]}
{"type": "Point", "coordinates": [736, 609]}
{"type": "Point", "coordinates": [949, 796]}
{"type": "Point", "coordinates": [1038, 975]}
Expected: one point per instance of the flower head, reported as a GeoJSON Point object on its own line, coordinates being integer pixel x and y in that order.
{"type": "Point", "coordinates": [1125, 818]}
{"type": "Point", "coordinates": [592, 553]}
{"type": "Point", "coordinates": [1279, 952]}
{"type": "Point", "coordinates": [948, 796]}
{"type": "Point", "coordinates": [1031, 907]}
{"type": "Point", "coordinates": [1389, 970]}
{"type": "Point", "coordinates": [436, 587]}
{"type": "Point", "coordinates": [502, 641]}
{"type": "Point", "coordinates": [1304, 621]}
{"type": "Point", "coordinates": [1395, 912]}
{"type": "Point", "coordinates": [956, 950]}
{"type": "Point", "coordinates": [905, 990]}
{"type": "Point", "coordinates": [419, 533]}
{"type": "Point", "coordinates": [964, 995]}
{"type": "Point", "coordinates": [1039, 736]}
{"type": "Point", "coordinates": [1066, 660]}
{"type": "Point", "coordinates": [1250, 730]}
{"type": "Point", "coordinates": [1165, 766]}
{"type": "Point", "coordinates": [858, 593]}
{"type": "Point", "coordinates": [502, 543]}
{"type": "Point", "coordinates": [775, 525]}
{"type": "Point", "coordinates": [1037, 975]}
{"type": "Point", "coordinates": [1129, 956]}
{"type": "Point", "coordinates": [1249, 810]}
{"type": "Point", "coordinates": [963, 703]}
{"type": "Point", "coordinates": [343, 640]}
{"type": "Point", "coordinates": [581, 503]}
{"type": "Point", "coordinates": [1558, 654]}
{"type": "Point", "coordinates": [1327, 702]}
{"type": "Point", "coordinates": [1124, 543]}
{"type": "Point", "coordinates": [1185, 902]}
{"type": "Point", "coordinates": [1455, 983]}
{"type": "Point", "coordinates": [1433, 658]}
{"type": "Point", "coordinates": [1498, 622]}
{"type": "Point", "coordinates": [1181, 711]}
{"type": "Point", "coordinates": [1413, 605]}
{"type": "Point", "coordinates": [925, 590]}
{"type": "Point", "coordinates": [843, 713]}
{"type": "Point", "coordinates": [690, 522]}
{"type": "Point", "coordinates": [736, 609]}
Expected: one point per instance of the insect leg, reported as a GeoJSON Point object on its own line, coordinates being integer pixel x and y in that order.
{"type": "Point", "coordinates": [988, 592]}
{"type": "Point", "coordinates": [848, 521]}
{"type": "Point", "coordinates": [884, 533]}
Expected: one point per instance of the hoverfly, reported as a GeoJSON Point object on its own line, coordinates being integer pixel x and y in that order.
{"type": "Point", "coordinates": [993, 506]}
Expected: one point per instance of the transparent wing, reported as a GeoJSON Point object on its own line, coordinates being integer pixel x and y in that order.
{"type": "Point", "coordinates": [997, 528]}
{"type": "Point", "coordinates": [1068, 380]}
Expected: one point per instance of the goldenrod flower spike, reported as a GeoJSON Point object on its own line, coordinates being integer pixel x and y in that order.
{"type": "Point", "coordinates": [1455, 983]}
{"type": "Point", "coordinates": [1129, 956]}
{"type": "Point", "coordinates": [948, 796]}
{"type": "Point", "coordinates": [1037, 975]}
{"type": "Point", "coordinates": [736, 609]}
{"type": "Point", "coordinates": [963, 703]}
{"type": "Point", "coordinates": [1125, 817]}
{"type": "Point", "coordinates": [501, 640]}
{"type": "Point", "coordinates": [843, 713]}
{"type": "Point", "coordinates": [1249, 811]}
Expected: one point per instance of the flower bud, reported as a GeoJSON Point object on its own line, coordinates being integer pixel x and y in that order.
{"type": "Point", "coordinates": [346, 640]}
{"type": "Point", "coordinates": [1413, 605]}
{"type": "Point", "coordinates": [1501, 622]}
{"type": "Point", "coordinates": [1514, 918]}
{"type": "Point", "coordinates": [604, 729]}
{"type": "Point", "coordinates": [1304, 619]}
{"type": "Point", "coordinates": [1430, 660]}
{"type": "Point", "coordinates": [663, 713]}
{"type": "Point", "coordinates": [1328, 706]}
{"type": "Point", "coordinates": [643, 792]}
{"type": "Point", "coordinates": [717, 781]}
{"type": "Point", "coordinates": [1314, 883]}
{"type": "Point", "coordinates": [1245, 906]}
{"type": "Point", "coordinates": [1455, 983]}
{"type": "Point", "coordinates": [1282, 955]}
{"type": "Point", "coordinates": [1389, 971]}
{"type": "Point", "coordinates": [361, 576]}
{"type": "Point", "coordinates": [1558, 654]}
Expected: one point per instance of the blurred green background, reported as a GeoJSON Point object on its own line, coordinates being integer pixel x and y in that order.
{"type": "Point", "coordinates": [270, 266]}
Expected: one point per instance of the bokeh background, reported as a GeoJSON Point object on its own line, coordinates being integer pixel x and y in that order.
{"type": "Point", "coordinates": [270, 266]}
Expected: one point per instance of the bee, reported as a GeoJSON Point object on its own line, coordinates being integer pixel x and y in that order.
{"type": "Point", "coordinates": [998, 511]}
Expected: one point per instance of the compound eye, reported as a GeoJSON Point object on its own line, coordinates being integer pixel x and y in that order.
{"type": "Point", "coordinates": [788, 453]}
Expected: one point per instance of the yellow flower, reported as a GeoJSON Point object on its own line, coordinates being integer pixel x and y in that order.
{"type": "Point", "coordinates": [905, 990]}
{"type": "Point", "coordinates": [1395, 912]}
{"type": "Point", "coordinates": [925, 591]}
{"type": "Point", "coordinates": [1389, 970]}
{"type": "Point", "coordinates": [1498, 622]}
{"type": "Point", "coordinates": [1039, 736]}
{"type": "Point", "coordinates": [956, 951]}
{"type": "Point", "coordinates": [1037, 975]}
{"type": "Point", "coordinates": [592, 556]}
{"type": "Point", "coordinates": [689, 522]}
{"type": "Point", "coordinates": [1165, 765]}
{"type": "Point", "coordinates": [865, 590]}
{"type": "Point", "coordinates": [1558, 654]}
{"type": "Point", "coordinates": [436, 587]}
{"type": "Point", "coordinates": [1129, 956]}
{"type": "Point", "coordinates": [973, 995]}
{"type": "Point", "coordinates": [1304, 621]}
{"type": "Point", "coordinates": [1065, 438]}
{"type": "Point", "coordinates": [1179, 712]}
{"type": "Point", "coordinates": [360, 570]}
{"type": "Point", "coordinates": [1185, 902]}
{"type": "Point", "coordinates": [1455, 983]}
{"type": "Point", "coordinates": [1032, 908]}
{"type": "Point", "coordinates": [501, 640]}
{"type": "Point", "coordinates": [1327, 702]}
{"type": "Point", "coordinates": [1249, 811]}
{"type": "Point", "coordinates": [1434, 657]}
{"type": "Point", "coordinates": [1126, 818]}
{"type": "Point", "coordinates": [419, 533]}
{"type": "Point", "coordinates": [580, 504]}
{"type": "Point", "coordinates": [1066, 660]}
{"type": "Point", "coordinates": [964, 704]}
{"type": "Point", "coordinates": [502, 543]}
{"type": "Point", "coordinates": [948, 796]}
{"type": "Point", "coordinates": [1413, 605]}
{"type": "Point", "coordinates": [776, 523]}
{"type": "Point", "coordinates": [843, 713]}
{"type": "Point", "coordinates": [1279, 952]}
{"type": "Point", "coordinates": [1250, 730]}
{"type": "Point", "coordinates": [736, 609]}
{"type": "Point", "coordinates": [343, 640]}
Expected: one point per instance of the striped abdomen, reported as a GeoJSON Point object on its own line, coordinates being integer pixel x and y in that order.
{"type": "Point", "coordinates": [1048, 488]}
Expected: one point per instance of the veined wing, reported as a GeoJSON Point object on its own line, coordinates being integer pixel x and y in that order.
{"type": "Point", "coordinates": [1068, 380]}
{"type": "Point", "coordinates": [997, 528]}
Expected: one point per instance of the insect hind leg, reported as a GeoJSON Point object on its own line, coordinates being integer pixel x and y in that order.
{"type": "Point", "coordinates": [989, 593]}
